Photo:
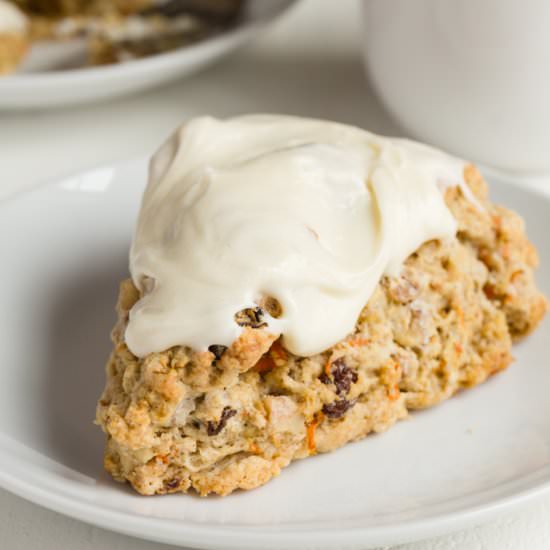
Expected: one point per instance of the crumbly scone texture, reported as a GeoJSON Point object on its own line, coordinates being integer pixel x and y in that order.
{"type": "Point", "coordinates": [232, 418]}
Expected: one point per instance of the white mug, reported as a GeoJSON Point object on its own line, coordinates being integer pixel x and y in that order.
{"type": "Point", "coordinates": [469, 76]}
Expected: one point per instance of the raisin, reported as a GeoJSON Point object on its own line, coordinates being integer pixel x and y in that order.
{"type": "Point", "coordinates": [250, 317]}
{"type": "Point", "coordinates": [214, 428]}
{"type": "Point", "coordinates": [338, 408]}
{"type": "Point", "coordinates": [217, 350]}
{"type": "Point", "coordinates": [342, 376]}
{"type": "Point", "coordinates": [272, 306]}
{"type": "Point", "coordinates": [172, 483]}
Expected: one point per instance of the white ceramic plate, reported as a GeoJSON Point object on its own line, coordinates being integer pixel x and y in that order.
{"type": "Point", "coordinates": [42, 84]}
{"type": "Point", "coordinates": [64, 250]}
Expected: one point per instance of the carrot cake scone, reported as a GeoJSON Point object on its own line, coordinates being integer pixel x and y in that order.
{"type": "Point", "coordinates": [295, 285]}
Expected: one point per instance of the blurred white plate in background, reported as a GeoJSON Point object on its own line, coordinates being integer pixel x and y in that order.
{"type": "Point", "coordinates": [40, 85]}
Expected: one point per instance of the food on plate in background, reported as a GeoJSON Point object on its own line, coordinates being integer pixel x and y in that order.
{"type": "Point", "coordinates": [114, 31]}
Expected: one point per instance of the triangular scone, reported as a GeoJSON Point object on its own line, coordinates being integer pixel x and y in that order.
{"type": "Point", "coordinates": [232, 418]}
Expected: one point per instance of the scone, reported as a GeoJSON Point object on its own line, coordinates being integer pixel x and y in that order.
{"type": "Point", "coordinates": [13, 37]}
{"type": "Point", "coordinates": [374, 276]}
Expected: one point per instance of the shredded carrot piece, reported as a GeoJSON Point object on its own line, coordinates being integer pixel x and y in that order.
{"type": "Point", "coordinates": [515, 275]}
{"type": "Point", "coordinates": [264, 364]}
{"type": "Point", "coordinates": [394, 393]}
{"type": "Point", "coordinates": [458, 347]}
{"type": "Point", "coordinates": [277, 352]}
{"type": "Point", "coordinates": [253, 448]}
{"type": "Point", "coordinates": [497, 221]}
{"type": "Point", "coordinates": [327, 366]}
{"type": "Point", "coordinates": [163, 458]}
{"type": "Point", "coordinates": [358, 342]}
{"type": "Point", "coordinates": [460, 315]}
{"type": "Point", "coordinates": [505, 250]}
{"type": "Point", "coordinates": [310, 431]}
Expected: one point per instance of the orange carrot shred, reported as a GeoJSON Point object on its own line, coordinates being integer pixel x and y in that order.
{"type": "Point", "coordinates": [490, 292]}
{"type": "Point", "coordinates": [358, 342]}
{"type": "Point", "coordinates": [265, 364]}
{"type": "Point", "coordinates": [394, 393]}
{"type": "Point", "coordinates": [327, 366]}
{"type": "Point", "coordinates": [310, 431]}
{"type": "Point", "coordinates": [460, 315]}
{"type": "Point", "coordinates": [277, 352]}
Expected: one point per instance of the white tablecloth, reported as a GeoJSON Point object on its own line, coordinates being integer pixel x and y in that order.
{"type": "Point", "coordinates": [308, 64]}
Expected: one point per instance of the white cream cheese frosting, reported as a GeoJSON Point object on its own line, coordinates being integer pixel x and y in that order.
{"type": "Point", "coordinates": [12, 19]}
{"type": "Point", "coordinates": [309, 212]}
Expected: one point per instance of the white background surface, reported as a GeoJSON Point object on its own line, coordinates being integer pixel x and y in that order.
{"type": "Point", "coordinates": [308, 64]}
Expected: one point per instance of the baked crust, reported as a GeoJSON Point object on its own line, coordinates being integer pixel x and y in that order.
{"type": "Point", "coordinates": [180, 419]}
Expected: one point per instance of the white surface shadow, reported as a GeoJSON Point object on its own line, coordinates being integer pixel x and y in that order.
{"type": "Point", "coordinates": [79, 325]}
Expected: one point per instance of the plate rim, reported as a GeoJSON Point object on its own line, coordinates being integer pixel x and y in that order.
{"type": "Point", "coordinates": [219, 536]}
{"type": "Point", "coordinates": [171, 531]}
